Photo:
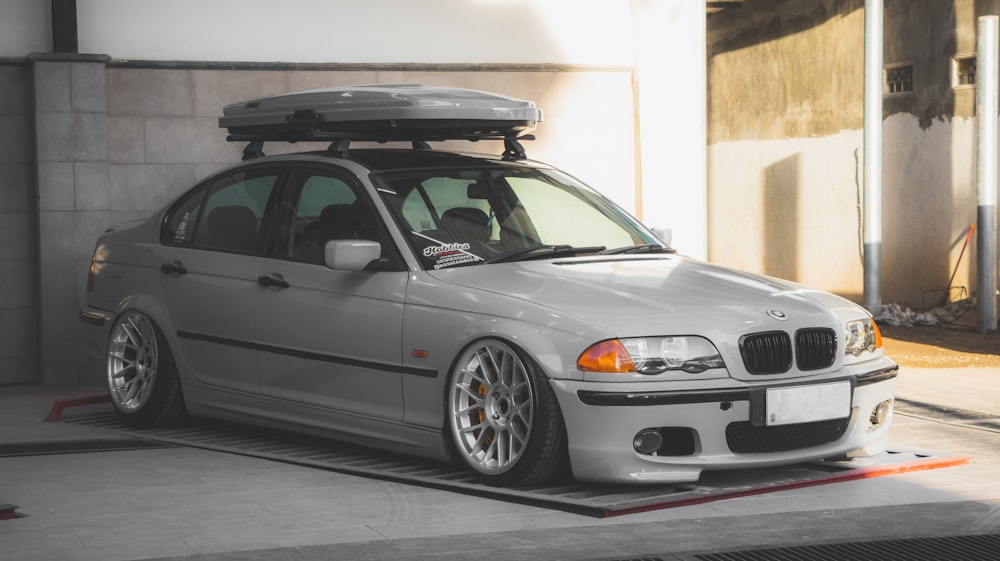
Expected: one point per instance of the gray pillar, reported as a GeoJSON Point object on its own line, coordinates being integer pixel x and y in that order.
{"type": "Point", "coordinates": [873, 156]}
{"type": "Point", "coordinates": [986, 172]}
{"type": "Point", "coordinates": [71, 155]}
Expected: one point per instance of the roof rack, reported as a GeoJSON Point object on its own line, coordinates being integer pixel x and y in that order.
{"type": "Point", "coordinates": [382, 113]}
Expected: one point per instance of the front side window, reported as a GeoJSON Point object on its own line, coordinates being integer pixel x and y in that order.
{"type": "Point", "coordinates": [322, 207]}
{"type": "Point", "coordinates": [225, 215]}
{"type": "Point", "coordinates": [472, 217]}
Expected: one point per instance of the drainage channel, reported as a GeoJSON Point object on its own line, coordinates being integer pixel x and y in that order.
{"type": "Point", "coordinates": [598, 500]}
{"type": "Point", "coordinates": [48, 447]}
{"type": "Point", "coordinates": [966, 548]}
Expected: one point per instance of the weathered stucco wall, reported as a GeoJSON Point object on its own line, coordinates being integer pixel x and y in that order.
{"type": "Point", "coordinates": [786, 116]}
{"type": "Point", "coordinates": [783, 69]}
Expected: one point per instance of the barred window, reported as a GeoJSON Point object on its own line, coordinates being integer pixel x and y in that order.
{"type": "Point", "coordinates": [963, 71]}
{"type": "Point", "coordinates": [899, 79]}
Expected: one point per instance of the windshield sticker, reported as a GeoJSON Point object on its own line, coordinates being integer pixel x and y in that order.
{"type": "Point", "coordinates": [450, 255]}
{"type": "Point", "coordinates": [447, 254]}
{"type": "Point", "coordinates": [181, 234]}
{"type": "Point", "coordinates": [446, 249]}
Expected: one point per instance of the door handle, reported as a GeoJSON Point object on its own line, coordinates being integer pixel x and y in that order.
{"type": "Point", "coordinates": [267, 281]}
{"type": "Point", "coordinates": [174, 268]}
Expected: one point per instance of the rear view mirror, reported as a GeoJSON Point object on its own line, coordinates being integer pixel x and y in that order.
{"type": "Point", "coordinates": [479, 189]}
{"type": "Point", "coordinates": [351, 255]}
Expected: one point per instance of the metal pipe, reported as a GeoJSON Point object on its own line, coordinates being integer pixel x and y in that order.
{"type": "Point", "coordinates": [872, 213]}
{"type": "Point", "coordinates": [986, 172]}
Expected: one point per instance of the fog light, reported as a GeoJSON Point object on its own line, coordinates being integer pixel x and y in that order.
{"type": "Point", "coordinates": [647, 441]}
{"type": "Point", "coordinates": [880, 413]}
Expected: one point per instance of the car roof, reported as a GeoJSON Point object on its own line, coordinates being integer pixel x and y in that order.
{"type": "Point", "coordinates": [395, 159]}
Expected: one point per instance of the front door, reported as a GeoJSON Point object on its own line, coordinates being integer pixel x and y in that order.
{"type": "Point", "coordinates": [330, 338]}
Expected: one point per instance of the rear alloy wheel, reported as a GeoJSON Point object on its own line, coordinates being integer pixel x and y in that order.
{"type": "Point", "coordinates": [505, 422]}
{"type": "Point", "coordinates": [142, 378]}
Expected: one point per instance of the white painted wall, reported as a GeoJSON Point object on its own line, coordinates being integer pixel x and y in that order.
{"type": "Point", "coordinates": [25, 27]}
{"type": "Point", "coordinates": [673, 126]}
{"type": "Point", "coordinates": [790, 208]}
{"type": "Point", "coordinates": [342, 31]}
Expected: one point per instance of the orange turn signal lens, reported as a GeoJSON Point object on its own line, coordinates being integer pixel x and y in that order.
{"type": "Point", "coordinates": [606, 356]}
{"type": "Point", "coordinates": [878, 335]}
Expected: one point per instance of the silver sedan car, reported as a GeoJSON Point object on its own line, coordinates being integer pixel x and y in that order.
{"type": "Point", "coordinates": [487, 310]}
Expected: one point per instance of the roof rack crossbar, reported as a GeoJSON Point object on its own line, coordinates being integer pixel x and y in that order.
{"type": "Point", "coordinates": [253, 150]}
{"type": "Point", "coordinates": [513, 150]}
{"type": "Point", "coordinates": [339, 147]}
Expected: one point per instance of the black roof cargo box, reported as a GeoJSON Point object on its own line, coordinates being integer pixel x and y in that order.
{"type": "Point", "coordinates": [380, 113]}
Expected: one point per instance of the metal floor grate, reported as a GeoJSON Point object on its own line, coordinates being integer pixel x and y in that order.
{"type": "Point", "coordinates": [954, 548]}
{"type": "Point", "coordinates": [76, 446]}
{"type": "Point", "coordinates": [598, 500]}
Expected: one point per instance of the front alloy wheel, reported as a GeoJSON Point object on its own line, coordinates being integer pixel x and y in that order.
{"type": "Point", "coordinates": [504, 420]}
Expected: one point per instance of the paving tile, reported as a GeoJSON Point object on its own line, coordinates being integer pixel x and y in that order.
{"type": "Point", "coordinates": [264, 538]}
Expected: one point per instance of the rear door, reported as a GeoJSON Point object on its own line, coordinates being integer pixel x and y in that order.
{"type": "Point", "coordinates": [209, 262]}
{"type": "Point", "coordinates": [330, 338]}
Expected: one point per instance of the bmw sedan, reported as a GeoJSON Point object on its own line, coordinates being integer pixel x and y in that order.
{"type": "Point", "coordinates": [487, 310]}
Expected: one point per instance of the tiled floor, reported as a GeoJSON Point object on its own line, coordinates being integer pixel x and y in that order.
{"type": "Point", "coordinates": [183, 503]}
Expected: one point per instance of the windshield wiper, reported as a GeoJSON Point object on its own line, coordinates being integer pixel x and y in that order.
{"type": "Point", "coordinates": [544, 251]}
{"type": "Point", "coordinates": [641, 248]}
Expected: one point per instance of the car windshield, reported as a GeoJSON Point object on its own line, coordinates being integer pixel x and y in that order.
{"type": "Point", "coordinates": [474, 217]}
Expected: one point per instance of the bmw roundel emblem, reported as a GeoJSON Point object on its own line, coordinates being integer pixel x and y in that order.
{"type": "Point", "coordinates": [778, 315]}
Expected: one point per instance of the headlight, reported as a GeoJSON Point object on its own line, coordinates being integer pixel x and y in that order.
{"type": "Point", "coordinates": [651, 355]}
{"type": "Point", "coordinates": [861, 336]}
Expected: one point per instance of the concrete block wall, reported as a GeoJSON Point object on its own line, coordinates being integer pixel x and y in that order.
{"type": "Point", "coordinates": [163, 130]}
{"type": "Point", "coordinates": [71, 152]}
{"type": "Point", "coordinates": [19, 309]}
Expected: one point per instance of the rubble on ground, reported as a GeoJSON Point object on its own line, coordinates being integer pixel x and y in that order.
{"type": "Point", "coordinates": [898, 315]}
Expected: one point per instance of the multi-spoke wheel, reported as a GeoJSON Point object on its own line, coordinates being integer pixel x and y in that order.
{"type": "Point", "coordinates": [504, 419]}
{"type": "Point", "coordinates": [142, 379]}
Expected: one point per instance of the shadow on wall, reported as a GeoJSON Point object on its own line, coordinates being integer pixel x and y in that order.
{"type": "Point", "coordinates": [782, 182]}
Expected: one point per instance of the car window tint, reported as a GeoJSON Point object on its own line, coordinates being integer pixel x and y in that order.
{"type": "Point", "coordinates": [233, 211]}
{"type": "Point", "coordinates": [568, 218]}
{"type": "Point", "coordinates": [326, 208]}
{"type": "Point", "coordinates": [466, 217]}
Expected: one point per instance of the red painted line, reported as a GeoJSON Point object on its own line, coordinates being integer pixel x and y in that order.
{"type": "Point", "coordinates": [850, 475]}
{"type": "Point", "coordinates": [57, 408]}
{"type": "Point", "coordinates": [7, 512]}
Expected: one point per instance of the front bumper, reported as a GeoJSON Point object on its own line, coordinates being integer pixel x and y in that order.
{"type": "Point", "coordinates": [604, 418]}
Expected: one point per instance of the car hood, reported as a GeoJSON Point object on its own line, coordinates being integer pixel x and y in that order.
{"type": "Point", "coordinates": [658, 295]}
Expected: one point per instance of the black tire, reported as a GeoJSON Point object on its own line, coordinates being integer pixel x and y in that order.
{"type": "Point", "coordinates": [504, 420]}
{"type": "Point", "coordinates": [141, 374]}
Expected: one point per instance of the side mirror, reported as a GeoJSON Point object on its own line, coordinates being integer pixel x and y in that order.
{"type": "Point", "coordinates": [351, 255]}
{"type": "Point", "coordinates": [666, 235]}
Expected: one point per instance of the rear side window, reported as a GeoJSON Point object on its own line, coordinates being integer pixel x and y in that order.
{"type": "Point", "coordinates": [225, 215]}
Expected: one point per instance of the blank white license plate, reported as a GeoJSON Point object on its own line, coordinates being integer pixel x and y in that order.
{"type": "Point", "coordinates": [804, 404]}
